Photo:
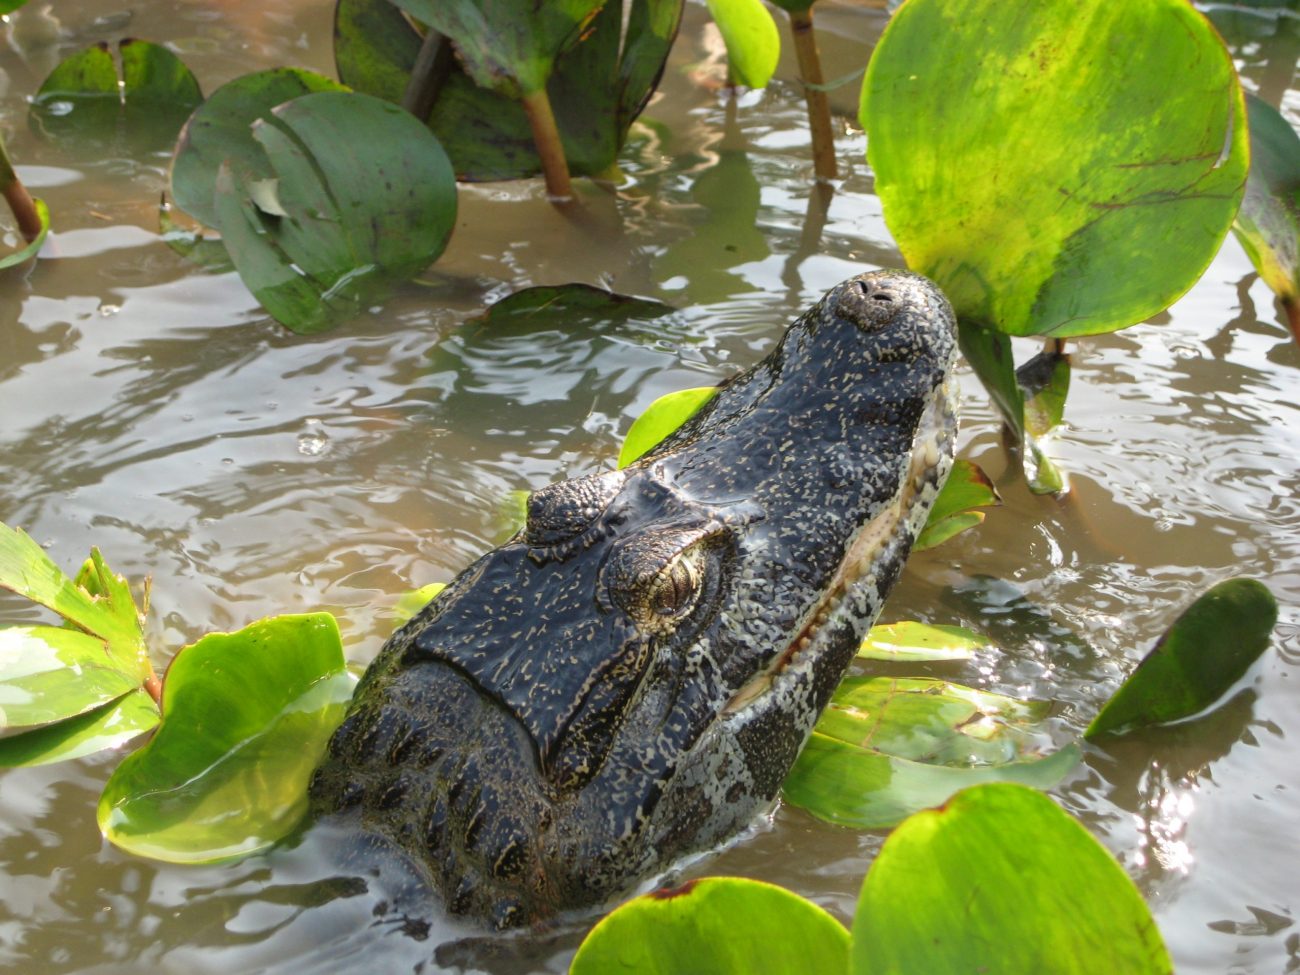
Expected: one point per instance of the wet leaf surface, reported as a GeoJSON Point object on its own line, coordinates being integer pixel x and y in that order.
{"type": "Point", "coordinates": [410, 603]}
{"type": "Point", "coordinates": [107, 726]}
{"type": "Point", "coordinates": [1207, 650]}
{"type": "Point", "coordinates": [1001, 880]}
{"type": "Point", "coordinates": [910, 641]}
{"type": "Point", "coordinates": [718, 925]}
{"type": "Point", "coordinates": [34, 247]}
{"type": "Point", "coordinates": [887, 747]}
{"type": "Point", "coordinates": [247, 716]}
{"type": "Point", "coordinates": [1035, 217]}
{"type": "Point", "coordinates": [967, 488]}
{"type": "Point", "coordinates": [49, 673]}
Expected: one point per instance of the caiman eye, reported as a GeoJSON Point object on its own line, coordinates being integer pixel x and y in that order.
{"type": "Point", "coordinates": [673, 590]}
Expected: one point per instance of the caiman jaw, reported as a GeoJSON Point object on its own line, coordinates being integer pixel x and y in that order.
{"type": "Point", "coordinates": [930, 462]}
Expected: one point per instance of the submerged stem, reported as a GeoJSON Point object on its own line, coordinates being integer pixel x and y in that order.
{"type": "Point", "coordinates": [432, 65]}
{"type": "Point", "coordinates": [19, 200]}
{"type": "Point", "coordinates": [546, 136]}
{"type": "Point", "coordinates": [819, 104]}
{"type": "Point", "coordinates": [1292, 308]}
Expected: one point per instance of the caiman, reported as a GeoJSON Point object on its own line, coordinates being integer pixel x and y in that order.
{"type": "Point", "coordinates": [630, 677]}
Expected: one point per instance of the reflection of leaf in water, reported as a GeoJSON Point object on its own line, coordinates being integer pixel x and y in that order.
{"type": "Point", "coordinates": [727, 235]}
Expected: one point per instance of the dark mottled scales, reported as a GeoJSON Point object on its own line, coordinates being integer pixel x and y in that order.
{"type": "Point", "coordinates": [630, 678]}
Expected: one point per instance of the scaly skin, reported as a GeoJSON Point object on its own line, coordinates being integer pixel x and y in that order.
{"type": "Point", "coordinates": [630, 677]}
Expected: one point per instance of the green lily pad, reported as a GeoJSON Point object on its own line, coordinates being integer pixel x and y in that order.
{"type": "Point", "coordinates": [718, 925]}
{"type": "Point", "coordinates": [247, 716]}
{"type": "Point", "coordinates": [221, 131]}
{"type": "Point", "coordinates": [1001, 880]}
{"type": "Point", "coordinates": [1036, 217]}
{"type": "Point", "coordinates": [967, 488]}
{"type": "Point", "coordinates": [660, 419]}
{"type": "Point", "coordinates": [357, 195]}
{"type": "Point", "coordinates": [107, 612]}
{"type": "Point", "coordinates": [547, 304]}
{"type": "Point", "coordinates": [34, 246]}
{"type": "Point", "coordinates": [107, 726]}
{"type": "Point", "coordinates": [84, 98]}
{"type": "Point", "coordinates": [49, 673]}
{"type": "Point", "coordinates": [850, 786]}
{"type": "Point", "coordinates": [886, 747]}
{"type": "Point", "coordinates": [410, 603]}
{"type": "Point", "coordinates": [1207, 650]}
{"type": "Point", "coordinates": [911, 642]}
{"type": "Point", "coordinates": [597, 88]}
{"type": "Point", "coordinates": [752, 40]}
{"type": "Point", "coordinates": [1268, 223]}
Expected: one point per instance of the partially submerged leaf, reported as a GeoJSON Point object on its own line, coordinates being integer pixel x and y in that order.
{"type": "Point", "coordinates": [886, 747]}
{"type": "Point", "coordinates": [83, 97]}
{"type": "Point", "coordinates": [851, 786]}
{"type": "Point", "coordinates": [1207, 650]}
{"type": "Point", "coordinates": [247, 716]}
{"type": "Point", "coordinates": [753, 42]}
{"type": "Point", "coordinates": [107, 726]}
{"type": "Point", "coordinates": [221, 131]}
{"type": "Point", "coordinates": [1268, 223]}
{"type": "Point", "coordinates": [1001, 880]}
{"type": "Point", "coordinates": [718, 925]}
{"type": "Point", "coordinates": [910, 641]}
{"type": "Point", "coordinates": [967, 488]}
{"type": "Point", "coordinates": [369, 199]}
{"type": "Point", "coordinates": [661, 418]}
{"type": "Point", "coordinates": [556, 304]}
{"type": "Point", "coordinates": [1036, 217]}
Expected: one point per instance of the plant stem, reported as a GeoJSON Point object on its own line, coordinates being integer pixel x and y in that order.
{"type": "Point", "coordinates": [819, 104]}
{"type": "Point", "coordinates": [546, 136]}
{"type": "Point", "coordinates": [1292, 308]}
{"type": "Point", "coordinates": [153, 687]}
{"type": "Point", "coordinates": [432, 65]}
{"type": "Point", "coordinates": [16, 195]}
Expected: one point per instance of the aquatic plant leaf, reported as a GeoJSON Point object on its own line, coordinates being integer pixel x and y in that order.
{"type": "Point", "coordinates": [851, 786]}
{"type": "Point", "coordinates": [910, 641]}
{"type": "Point", "coordinates": [9, 6]}
{"type": "Point", "coordinates": [989, 355]}
{"type": "Point", "coordinates": [221, 130]}
{"type": "Point", "coordinates": [1268, 223]}
{"type": "Point", "coordinates": [967, 487]}
{"type": "Point", "coordinates": [82, 97]}
{"type": "Point", "coordinates": [33, 248]}
{"type": "Point", "coordinates": [661, 418]}
{"type": "Point", "coordinates": [719, 925]}
{"type": "Point", "coordinates": [108, 612]}
{"type": "Point", "coordinates": [597, 87]}
{"type": "Point", "coordinates": [107, 726]}
{"type": "Point", "coordinates": [1001, 880]}
{"type": "Point", "coordinates": [246, 717]}
{"type": "Point", "coordinates": [509, 46]}
{"type": "Point", "coordinates": [1036, 217]}
{"type": "Point", "coordinates": [49, 673]}
{"type": "Point", "coordinates": [753, 42]}
{"type": "Point", "coordinates": [410, 603]}
{"type": "Point", "coordinates": [363, 197]}
{"type": "Point", "coordinates": [932, 721]}
{"type": "Point", "coordinates": [555, 304]}
{"type": "Point", "coordinates": [1206, 650]}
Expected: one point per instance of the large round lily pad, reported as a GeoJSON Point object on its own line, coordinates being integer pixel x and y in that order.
{"type": "Point", "coordinates": [1063, 172]}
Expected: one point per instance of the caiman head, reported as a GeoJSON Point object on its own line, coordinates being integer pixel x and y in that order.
{"type": "Point", "coordinates": [631, 676]}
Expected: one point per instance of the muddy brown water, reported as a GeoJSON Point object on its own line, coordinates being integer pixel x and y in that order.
{"type": "Point", "coordinates": [151, 409]}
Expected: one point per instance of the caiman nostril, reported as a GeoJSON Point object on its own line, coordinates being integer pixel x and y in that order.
{"type": "Point", "coordinates": [881, 296]}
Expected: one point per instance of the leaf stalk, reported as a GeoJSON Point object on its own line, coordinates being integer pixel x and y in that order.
{"type": "Point", "coordinates": [19, 200]}
{"type": "Point", "coordinates": [819, 105]}
{"type": "Point", "coordinates": [546, 136]}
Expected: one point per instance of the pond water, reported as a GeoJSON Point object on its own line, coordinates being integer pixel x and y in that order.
{"type": "Point", "coordinates": [151, 409]}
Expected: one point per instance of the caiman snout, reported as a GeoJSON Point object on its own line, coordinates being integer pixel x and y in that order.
{"type": "Point", "coordinates": [630, 677]}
